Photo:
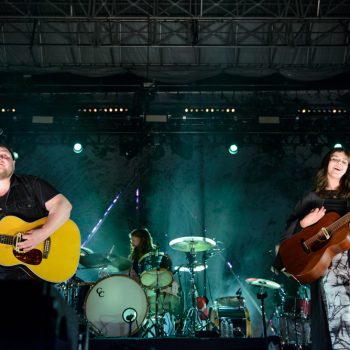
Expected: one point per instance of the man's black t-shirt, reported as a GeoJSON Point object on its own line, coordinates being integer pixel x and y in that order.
{"type": "Point", "coordinates": [26, 200]}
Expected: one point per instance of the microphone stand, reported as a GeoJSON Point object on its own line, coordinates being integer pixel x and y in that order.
{"type": "Point", "coordinates": [204, 262]}
{"type": "Point", "coordinates": [157, 325]}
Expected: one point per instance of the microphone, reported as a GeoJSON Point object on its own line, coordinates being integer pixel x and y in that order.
{"type": "Point", "coordinates": [157, 249]}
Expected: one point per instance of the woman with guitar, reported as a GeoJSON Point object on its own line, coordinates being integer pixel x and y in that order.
{"type": "Point", "coordinates": [31, 210]}
{"type": "Point", "coordinates": [315, 250]}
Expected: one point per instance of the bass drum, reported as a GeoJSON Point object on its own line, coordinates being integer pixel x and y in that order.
{"type": "Point", "coordinates": [116, 306]}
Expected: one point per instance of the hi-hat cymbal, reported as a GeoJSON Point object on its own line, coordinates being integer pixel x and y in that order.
{"type": "Point", "coordinates": [192, 244]}
{"type": "Point", "coordinates": [93, 260]}
{"type": "Point", "coordinates": [187, 268]}
{"type": "Point", "coordinates": [263, 283]}
{"type": "Point", "coordinates": [120, 262]}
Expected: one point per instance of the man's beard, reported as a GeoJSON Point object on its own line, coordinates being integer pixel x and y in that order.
{"type": "Point", "coordinates": [5, 174]}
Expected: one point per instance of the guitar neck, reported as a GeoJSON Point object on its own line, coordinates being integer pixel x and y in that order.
{"type": "Point", "coordinates": [338, 223]}
{"type": "Point", "coordinates": [6, 239]}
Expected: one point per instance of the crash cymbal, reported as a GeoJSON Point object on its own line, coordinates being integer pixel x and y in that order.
{"type": "Point", "coordinates": [93, 260]}
{"type": "Point", "coordinates": [259, 282]}
{"type": "Point", "coordinates": [192, 244]}
{"type": "Point", "coordinates": [120, 262]}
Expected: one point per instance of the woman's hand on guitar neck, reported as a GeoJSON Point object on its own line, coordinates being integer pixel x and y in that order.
{"type": "Point", "coordinates": [314, 216]}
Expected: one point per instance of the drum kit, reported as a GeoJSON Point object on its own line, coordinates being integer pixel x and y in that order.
{"type": "Point", "coordinates": [118, 305]}
{"type": "Point", "coordinates": [154, 306]}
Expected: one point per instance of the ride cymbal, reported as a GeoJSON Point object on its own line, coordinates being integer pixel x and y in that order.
{"type": "Point", "coordinates": [192, 244]}
{"type": "Point", "coordinates": [260, 282]}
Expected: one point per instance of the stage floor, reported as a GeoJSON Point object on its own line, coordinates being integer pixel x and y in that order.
{"type": "Point", "coordinates": [177, 343]}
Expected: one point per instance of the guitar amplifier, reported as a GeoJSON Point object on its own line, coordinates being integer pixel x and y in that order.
{"type": "Point", "coordinates": [35, 316]}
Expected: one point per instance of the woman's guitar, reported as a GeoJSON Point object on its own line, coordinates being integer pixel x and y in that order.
{"type": "Point", "coordinates": [54, 260]}
{"type": "Point", "coordinates": [307, 255]}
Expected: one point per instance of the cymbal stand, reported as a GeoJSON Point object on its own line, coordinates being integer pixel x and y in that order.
{"type": "Point", "coordinates": [192, 322]}
{"type": "Point", "coordinates": [262, 295]}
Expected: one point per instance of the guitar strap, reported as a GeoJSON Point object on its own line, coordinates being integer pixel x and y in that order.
{"type": "Point", "coordinates": [348, 204]}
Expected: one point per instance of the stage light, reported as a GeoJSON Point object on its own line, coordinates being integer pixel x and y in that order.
{"type": "Point", "coordinates": [338, 145]}
{"type": "Point", "coordinates": [233, 149]}
{"type": "Point", "coordinates": [15, 155]}
{"type": "Point", "coordinates": [78, 147]}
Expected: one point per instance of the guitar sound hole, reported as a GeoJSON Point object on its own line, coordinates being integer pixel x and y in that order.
{"type": "Point", "coordinates": [317, 245]}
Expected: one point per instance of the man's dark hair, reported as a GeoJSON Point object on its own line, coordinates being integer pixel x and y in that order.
{"type": "Point", "coordinates": [4, 145]}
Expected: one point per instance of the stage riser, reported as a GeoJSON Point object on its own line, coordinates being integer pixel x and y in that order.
{"type": "Point", "coordinates": [34, 316]}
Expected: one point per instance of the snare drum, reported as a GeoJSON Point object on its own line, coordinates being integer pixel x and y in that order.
{"type": "Point", "coordinates": [155, 270]}
{"type": "Point", "coordinates": [111, 301]}
{"type": "Point", "coordinates": [231, 301]}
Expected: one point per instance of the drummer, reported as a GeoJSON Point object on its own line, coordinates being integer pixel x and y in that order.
{"type": "Point", "coordinates": [141, 243]}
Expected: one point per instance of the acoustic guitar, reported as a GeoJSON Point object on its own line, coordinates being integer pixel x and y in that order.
{"type": "Point", "coordinates": [308, 254]}
{"type": "Point", "coordinates": [54, 260]}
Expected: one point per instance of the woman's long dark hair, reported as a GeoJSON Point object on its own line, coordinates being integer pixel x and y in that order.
{"type": "Point", "coordinates": [146, 243]}
{"type": "Point", "coordinates": [321, 181]}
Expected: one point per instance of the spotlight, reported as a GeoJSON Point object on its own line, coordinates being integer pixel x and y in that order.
{"type": "Point", "coordinates": [338, 145]}
{"type": "Point", "coordinates": [15, 155]}
{"type": "Point", "coordinates": [233, 149]}
{"type": "Point", "coordinates": [78, 147]}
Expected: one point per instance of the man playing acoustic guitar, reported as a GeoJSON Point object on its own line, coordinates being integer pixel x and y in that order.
{"type": "Point", "coordinates": [31, 211]}
{"type": "Point", "coordinates": [315, 250]}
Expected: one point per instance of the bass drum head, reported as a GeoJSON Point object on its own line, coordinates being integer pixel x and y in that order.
{"type": "Point", "coordinates": [109, 300]}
